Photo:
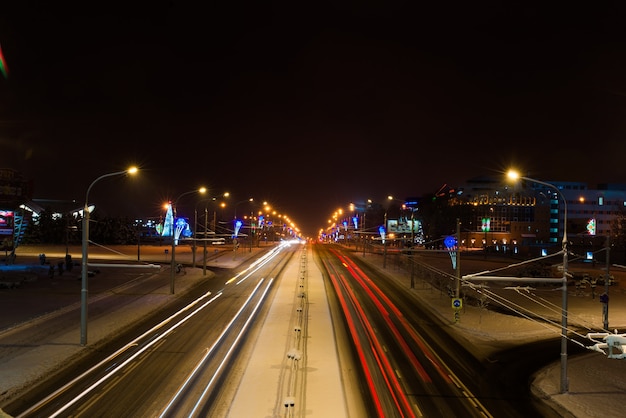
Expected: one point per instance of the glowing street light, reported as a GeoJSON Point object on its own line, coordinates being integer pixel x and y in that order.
{"type": "Point", "coordinates": [389, 198]}
{"type": "Point", "coordinates": [195, 228]}
{"type": "Point", "coordinates": [249, 200]}
{"type": "Point", "coordinates": [513, 175]}
{"type": "Point", "coordinates": [85, 255]}
{"type": "Point", "coordinates": [201, 190]}
{"type": "Point", "coordinates": [240, 202]}
{"type": "Point", "coordinates": [206, 227]}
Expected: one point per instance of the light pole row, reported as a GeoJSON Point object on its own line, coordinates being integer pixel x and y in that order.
{"type": "Point", "coordinates": [85, 242]}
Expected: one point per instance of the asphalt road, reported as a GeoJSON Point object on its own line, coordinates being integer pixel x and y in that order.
{"type": "Point", "coordinates": [167, 364]}
{"type": "Point", "coordinates": [463, 381]}
{"type": "Point", "coordinates": [405, 374]}
{"type": "Point", "coordinates": [503, 359]}
{"type": "Point", "coordinates": [42, 314]}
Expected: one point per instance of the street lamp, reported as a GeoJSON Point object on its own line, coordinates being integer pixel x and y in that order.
{"type": "Point", "coordinates": [195, 235]}
{"type": "Point", "coordinates": [195, 227]}
{"type": "Point", "coordinates": [240, 202]}
{"type": "Point", "coordinates": [235, 217]}
{"type": "Point", "coordinates": [201, 190]}
{"type": "Point", "coordinates": [85, 255]}
{"type": "Point", "coordinates": [251, 230]}
{"type": "Point", "coordinates": [389, 198]}
{"type": "Point", "coordinates": [263, 219]}
{"type": "Point", "coordinates": [564, 384]}
{"type": "Point", "coordinates": [206, 221]}
{"type": "Point", "coordinates": [221, 205]}
{"type": "Point", "coordinates": [411, 247]}
{"type": "Point", "coordinates": [368, 203]}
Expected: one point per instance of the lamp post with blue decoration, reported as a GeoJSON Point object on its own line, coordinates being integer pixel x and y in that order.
{"type": "Point", "coordinates": [452, 243]}
{"type": "Point", "coordinates": [173, 230]}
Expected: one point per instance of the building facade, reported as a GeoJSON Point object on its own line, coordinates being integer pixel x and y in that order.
{"type": "Point", "coordinates": [531, 217]}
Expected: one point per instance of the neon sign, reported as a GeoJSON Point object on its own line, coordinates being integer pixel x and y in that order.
{"type": "Point", "coordinates": [591, 226]}
{"type": "Point", "coordinates": [486, 226]}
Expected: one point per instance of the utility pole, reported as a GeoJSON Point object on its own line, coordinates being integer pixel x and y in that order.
{"type": "Point", "coordinates": [364, 235]}
{"type": "Point", "coordinates": [411, 247]}
{"type": "Point", "coordinates": [206, 226]}
{"type": "Point", "coordinates": [457, 291]}
{"type": "Point", "coordinates": [385, 242]}
{"type": "Point", "coordinates": [607, 279]}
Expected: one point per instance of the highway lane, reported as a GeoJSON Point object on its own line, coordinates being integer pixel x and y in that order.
{"type": "Point", "coordinates": [501, 381]}
{"type": "Point", "coordinates": [413, 337]}
{"type": "Point", "coordinates": [173, 367]}
{"type": "Point", "coordinates": [403, 375]}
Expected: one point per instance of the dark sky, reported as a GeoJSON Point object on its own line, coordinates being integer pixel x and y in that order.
{"type": "Point", "coordinates": [310, 108]}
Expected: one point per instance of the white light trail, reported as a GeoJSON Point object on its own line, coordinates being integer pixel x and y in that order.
{"type": "Point", "coordinates": [121, 365]}
{"type": "Point", "coordinates": [210, 350]}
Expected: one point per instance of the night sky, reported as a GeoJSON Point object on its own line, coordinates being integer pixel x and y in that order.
{"type": "Point", "coordinates": [310, 108]}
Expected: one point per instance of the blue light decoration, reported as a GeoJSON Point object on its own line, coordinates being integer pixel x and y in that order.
{"type": "Point", "coordinates": [382, 232]}
{"type": "Point", "coordinates": [182, 228]}
{"type": "Point", "coordinates": [261, 221]}
{"type": "Point", "coordinates": [186, 231]}
{"type": "Point", "coordinates": [451, 245]}
{"type": "Point", "coordinates": [449, 242]}
{"type": "Point", "coordinates": [345, 225]}
{"type": "Point", "coordinates": [238, 225]}
{"type": "Point", "coordinates": [355, 221]}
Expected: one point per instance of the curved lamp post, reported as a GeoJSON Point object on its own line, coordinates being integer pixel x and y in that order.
{"type": "Point", "coordinates": [389, 199]}
{"type": "Point", "coordinates": [201, 190]}
{"type": "Point", "coordinates": [195, 227]}
{"type": "Point", "coordinates": [250, 200]}
{"type": "Point", "coordinates": [85, 255]}
{"type": "Point", "coordinates": [239, 203]}
{"type": "Point", "coordinates": [513, 175]}
{"type": "Point", "coordinates": [368, 204]}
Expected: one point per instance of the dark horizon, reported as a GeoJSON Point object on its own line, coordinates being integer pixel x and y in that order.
{"type": "Point", "coordinates": [311, 109]}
